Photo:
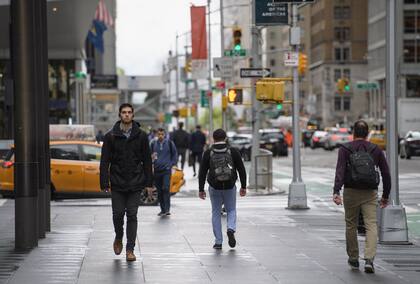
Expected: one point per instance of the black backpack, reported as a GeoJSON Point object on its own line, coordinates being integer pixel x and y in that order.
{"type": "Point", "coordinates": [361, 172]}
{"type": "Point", "coordinates": [221, 165]}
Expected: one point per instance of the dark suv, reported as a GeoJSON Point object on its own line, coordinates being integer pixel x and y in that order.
{"type": "Point", "coordinates": [273, 140]}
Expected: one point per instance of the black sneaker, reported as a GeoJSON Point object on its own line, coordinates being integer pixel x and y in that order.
{"type": "Point", "coordinates": [161, 213]}
{"type": "Point", "coordinates": [231, 236]}
{"type": "Point", "coordinates": [369, 268]}
{"type": "Point", "coordinates": [353, 263]}
{"type": "Point", "coordinates": [217, 246]}
{"type": "Point", "coordinates": [168, 213]}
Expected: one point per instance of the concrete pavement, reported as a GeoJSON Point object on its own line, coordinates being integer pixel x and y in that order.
{"type": "Point", "coordinates": [275, 245]}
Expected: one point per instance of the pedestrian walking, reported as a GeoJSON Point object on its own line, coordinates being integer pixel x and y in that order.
{"type": "Point", "coordinates": [181, 138]}
{"type": "Point", "coordinates": [197, 143]}
{"type": "Point", "coordinates": [125, 170]}
{"type": "Point", "coordinates": [164, 156]}
{"type": "Point", "coordinates": [220, 164]}
{"type": "Point", "coordinates": [357, 170]}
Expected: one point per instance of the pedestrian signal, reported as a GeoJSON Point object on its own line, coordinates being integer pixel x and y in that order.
{"type": "Point", "coordinates": [303, 63]}
{"type": "Point", "coordinates": [235, 96]}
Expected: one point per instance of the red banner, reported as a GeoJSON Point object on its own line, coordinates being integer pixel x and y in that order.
{"type": "Point", "coordinates": [198, 32]}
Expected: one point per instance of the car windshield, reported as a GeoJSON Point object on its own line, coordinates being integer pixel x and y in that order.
{"type": "Point", "coordinates": [276, 135]}
{"type": "Point", "coordinates": [415, 134]}
{"type": "Point", "coordinates": [9, 155]}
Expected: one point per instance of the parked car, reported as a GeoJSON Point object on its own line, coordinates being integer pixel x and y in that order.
{"type": "Point", "coordinates": [410, 145]}
{"type": "Point", "coordinates": [273, 140]}
{"type": "Point", "coordinates": [75, 172]}
{"type": "Point", "coordinates": [318, 139]}
{"type": "Point", "coordinates": [337, 136]}
{"type": "Point", "coordinates": [242, 142]}
{"type": "Point", "coordinates": [378, 137]}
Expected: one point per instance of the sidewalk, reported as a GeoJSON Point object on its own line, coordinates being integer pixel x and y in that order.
{"type": "Point", "coordinates": [275, 245]}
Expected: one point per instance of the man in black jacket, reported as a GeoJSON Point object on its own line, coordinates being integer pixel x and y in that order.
{"type": "Point", "coordinates": [126, 170]}
{"type": "Point", "coordinates": [197, 143]}
{"type": "Point", "coordinates": [220, 164]}
{"type": "Point", "coordinates": [181, 138]}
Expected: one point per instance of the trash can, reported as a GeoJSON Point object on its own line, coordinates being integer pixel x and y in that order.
{"type": "Point", "coordinates": [264, 170]}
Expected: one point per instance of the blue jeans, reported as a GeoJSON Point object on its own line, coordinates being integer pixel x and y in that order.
{"type": "Point", "coordinates": [217, 198]}
{"type": "Point", "coordinates": [162, 183]}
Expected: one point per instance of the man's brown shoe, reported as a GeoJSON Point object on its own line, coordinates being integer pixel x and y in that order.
{"type": "Point", "coordinates": [118, 246]}
{"type": "Point", "coordinates": [130, 256]}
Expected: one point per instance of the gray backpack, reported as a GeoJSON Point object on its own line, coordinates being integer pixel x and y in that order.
{"type": "Point", "coordinates": [221, 165]}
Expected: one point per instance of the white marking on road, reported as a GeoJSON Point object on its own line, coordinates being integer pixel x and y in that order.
{"type": "Point", "coordinates": [411, 210]}
{"type": "Point", "coordinates": [2, 201]}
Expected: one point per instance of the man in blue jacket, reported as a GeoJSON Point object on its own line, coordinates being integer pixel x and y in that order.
{"type": "Point", "coordinates": [164, 156]}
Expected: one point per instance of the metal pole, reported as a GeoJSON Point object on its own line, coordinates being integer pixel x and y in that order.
{"type": "Point", "coordinates": [256, 63]}
{"type": "Point", "coordinates": [210, 87]}
{"type": "Point", "coordinates": [176, 74]}
{"type": "Point", "coordinates": [297, 189]}
{"type": "Point", "coordinates": [187, 95]}
{"type": "Point", "coordinates": [393, 222]}
{"type": "Point", "coordinates": [23, 17]}
{"type": "Point", "coordinates": [222, 50]}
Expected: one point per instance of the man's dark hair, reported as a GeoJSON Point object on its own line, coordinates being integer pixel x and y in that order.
{"type": "Point", "coordinates": [180, 125]}
{"type": "Point", "coordinates": [161, 129]}
{"type": "Point", "coordinates": [219, 135]}
{"type": "Point", "coordinates": [360, 129]}
{"type": "Point", "coordinates": [124, 105]}
{"type": "Point", "coordinates": [198, 127]}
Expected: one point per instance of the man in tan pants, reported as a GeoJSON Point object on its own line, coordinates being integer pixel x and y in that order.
{"type": "Point", "coordinates": [356, 170]}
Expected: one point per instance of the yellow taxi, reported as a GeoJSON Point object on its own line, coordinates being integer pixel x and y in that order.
{"type": "Point", "coordinates": [75, 171]}
{"type": "Point", "coordinates": [378, 137]}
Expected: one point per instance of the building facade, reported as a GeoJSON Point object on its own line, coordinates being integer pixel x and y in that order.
{"type": "Point", "coordinates": [408, 54]}
{"type": "Point", "coordinates": [72, 61]}
{"type": "Point", "coordinates": [338, 50]}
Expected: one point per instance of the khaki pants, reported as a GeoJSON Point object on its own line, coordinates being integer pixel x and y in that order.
{"type": "Point", "coordinates": [356, 200]}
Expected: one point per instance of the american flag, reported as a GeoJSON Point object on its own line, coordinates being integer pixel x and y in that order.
{"type": "Point", "coordinates": [102, 14]}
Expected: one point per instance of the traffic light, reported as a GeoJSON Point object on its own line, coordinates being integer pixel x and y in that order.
{"type": "Point", "coordinates": [303, 63]}
{"type": "Point", "coordinates": [235, 96]}
{"type": "Point", "coordinates": [237, 34]}
{"type": "Point", "coordinates": [270, 91]}
{"type": "Point", "coordinates": [279, 106]}
{"type": "Point", "coordinates": [183, 112]}
{"type": "Point", "coordinates": [188, 64]}
{"type": "Point", "coordinates": [343, 85]}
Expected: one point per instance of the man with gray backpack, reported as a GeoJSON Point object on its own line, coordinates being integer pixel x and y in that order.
{"type": "Point", "coordinates": [220, 164]}
{"type": "Point", "coordinates": [356, 169]}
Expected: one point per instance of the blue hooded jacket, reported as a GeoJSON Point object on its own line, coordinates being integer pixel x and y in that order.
{"type": "Point", "coordinates": [167, 155]}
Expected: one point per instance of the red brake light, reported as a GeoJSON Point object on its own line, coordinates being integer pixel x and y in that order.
{"type": "Point", "coordinates": [334, 137]}
{"type": "Point", "coordinates": [8, 164]}
{"type": "Point", "coordinates": [316, 139]}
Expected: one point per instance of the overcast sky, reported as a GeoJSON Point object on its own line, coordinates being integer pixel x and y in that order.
{"type": "Point", "coordinates": [146, 31]}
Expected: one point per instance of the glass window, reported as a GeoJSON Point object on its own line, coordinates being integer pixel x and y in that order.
{"type": "Point", "coordinates": [413, 87]}
{"type": "Point", "coordinates": [346, 54]}
{"type": "Point", "coordinates": [337, 74]}
{"type": "Point", "coordinates": [410, 1]}
{"type": "Point", "coordinates": [91, 153]}
{"type": "Point", "coordinates": [346, 12]}
{"type": "Point", "coordinates": [346, 103]}
{"type": "Point", "coordinates": [346, 73]}
{"type": "Point", "coordinates": [337, 103]}
{"type": "Point", "coordinates": [342, 12]}
{"type": "Point", "coordinates": [65, 152]}
{"type": "Point", "coordinates": [342, 33]}
{"type": "Point", "coordinates": [409, 21]}
{"type": "Point", "coordinates": [337, 54]}
{"type": "Point", "coordinates": [409, 51]}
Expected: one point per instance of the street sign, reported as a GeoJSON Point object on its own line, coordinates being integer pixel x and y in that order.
{"type": "Point", "coordinates": [204, 100]}
{"type": "Point", "coordinates": [223, 67]}
{"type": "Point", "coordinates": [234, 52]}
{"type": "Point", "coordinates": [361, 85]}
{"type": "Point", "coordinates": [255, 72]}
{"type": "Point", "coordinates": [199, 69]}
{"type": "Point", "coordinates": [271, 13]}
{"type": "Point", "coordinates": [291, 59]}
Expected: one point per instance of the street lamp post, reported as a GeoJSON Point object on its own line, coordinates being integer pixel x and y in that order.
{"type": "Point", "coordinates": [393, 222]}
{"type": "Point", "coordinates": [297, 189]}
{"type": "Point", "coordinates": [210, 85]}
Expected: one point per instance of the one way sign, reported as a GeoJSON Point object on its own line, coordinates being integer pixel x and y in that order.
{"type": "Point", "coordinates": [255, 72]}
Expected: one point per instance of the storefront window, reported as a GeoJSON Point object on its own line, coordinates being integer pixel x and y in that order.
{"type": "Point", "coordinates": [413, 87]}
